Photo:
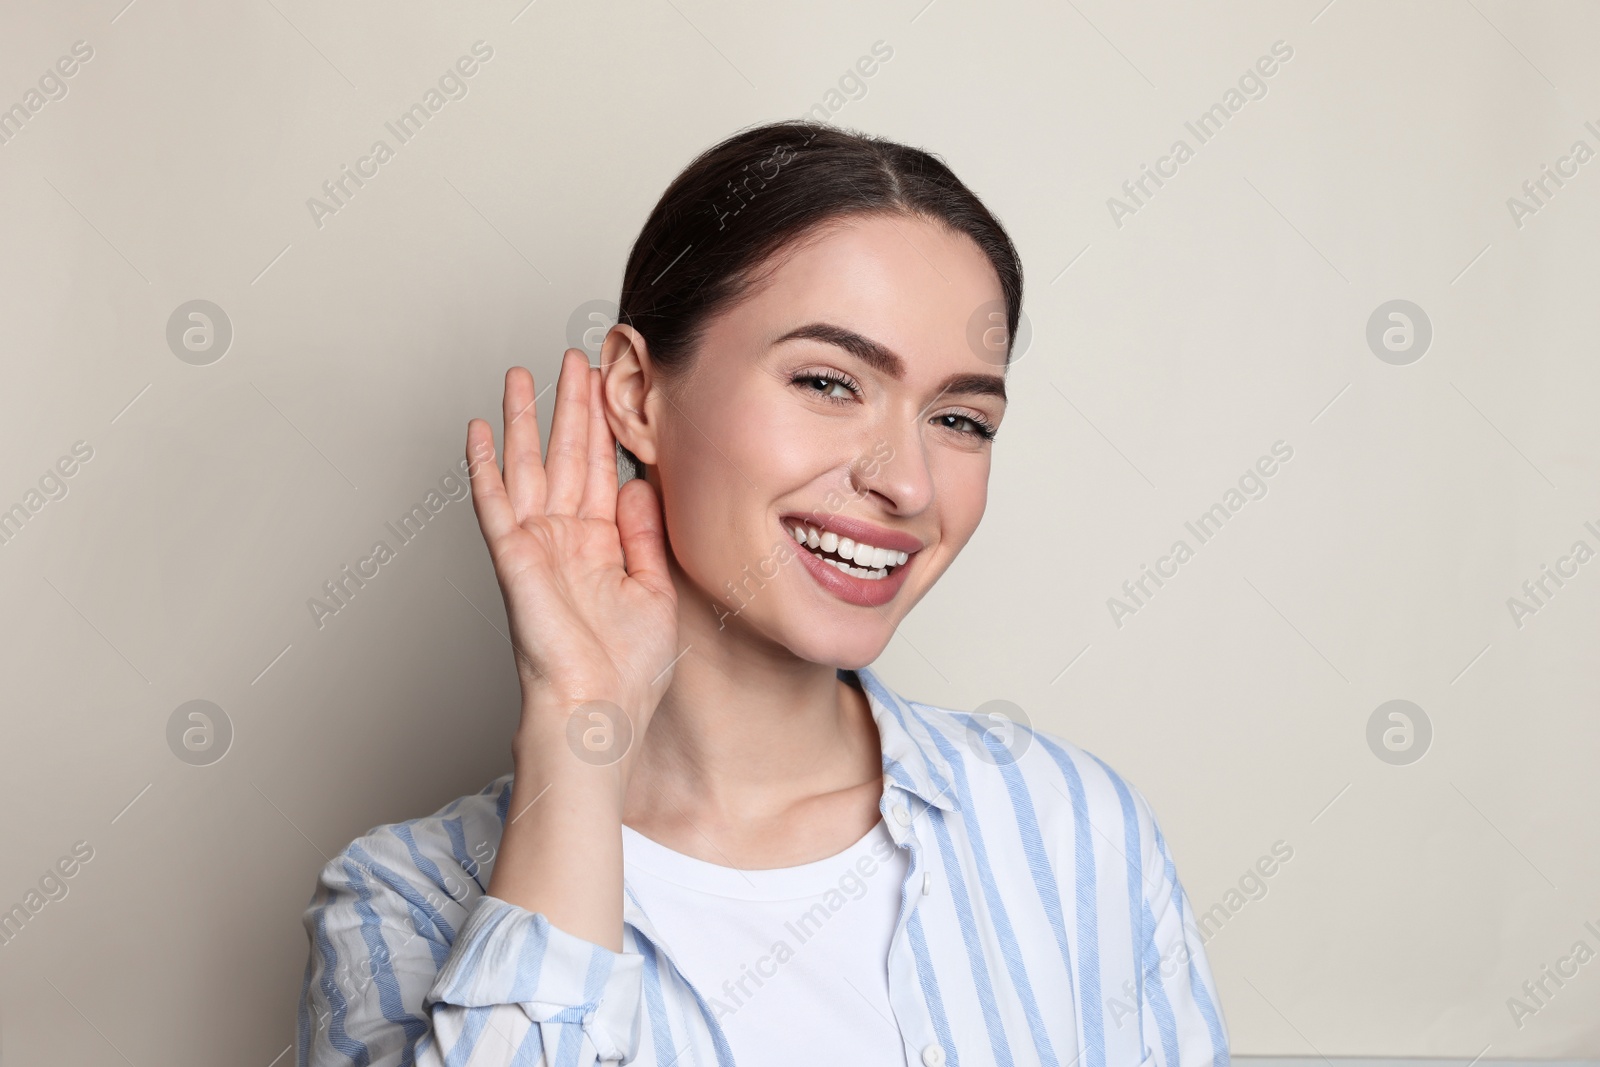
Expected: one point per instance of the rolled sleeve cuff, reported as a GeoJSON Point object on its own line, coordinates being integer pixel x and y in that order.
{"type": "Point", "coordinates": [505, 954]}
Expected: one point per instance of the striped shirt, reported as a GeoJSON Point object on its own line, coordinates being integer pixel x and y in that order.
{"type": "Point", "coordinates": [1041, 922]}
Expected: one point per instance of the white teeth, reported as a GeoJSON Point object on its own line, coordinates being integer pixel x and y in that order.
{"type": "Point", "coordinates": [872, 561]}
{"type": "Point", "coordinates": [858, 572]}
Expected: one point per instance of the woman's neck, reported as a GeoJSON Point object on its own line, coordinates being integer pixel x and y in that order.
{"type": "Point", "coordinates": [756, 759]}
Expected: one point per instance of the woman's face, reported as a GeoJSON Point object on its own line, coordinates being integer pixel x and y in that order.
{"type": "Point", "coordinates": [844, 399]}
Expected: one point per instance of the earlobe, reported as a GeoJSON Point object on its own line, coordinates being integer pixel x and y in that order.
{"type": "Point", "coordinates": [627, 376]}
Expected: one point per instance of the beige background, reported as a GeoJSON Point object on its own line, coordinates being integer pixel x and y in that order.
{"type": "Point", "coordinates": [1169, 352]}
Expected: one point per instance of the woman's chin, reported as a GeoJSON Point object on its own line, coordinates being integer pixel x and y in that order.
{"type": "Point", "coordinates": [840, 652]}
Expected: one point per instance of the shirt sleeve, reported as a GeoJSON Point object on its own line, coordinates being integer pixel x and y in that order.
{"type": "Point", "coordinates": [386, 983]}
{"type": "Point", "coordinates": [1182, 1016]}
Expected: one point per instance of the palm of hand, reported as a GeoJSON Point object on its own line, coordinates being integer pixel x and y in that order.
{"type": "Point", "coordinates": [582, 567]}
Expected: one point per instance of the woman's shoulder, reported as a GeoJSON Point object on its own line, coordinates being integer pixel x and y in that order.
{"type": "Point", "coordinates": [429, 862]}
{"type": "Point", "coordinates": [1004, 757]}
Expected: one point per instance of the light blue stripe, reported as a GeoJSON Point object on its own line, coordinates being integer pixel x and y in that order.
{"type": "Point", "coordinates": [473, 957]}
{"type": "Point", "coordinates": [719, 1040]}
{"type": "Point", "coordinates": [940, 788]}
{"type": "Point", "coordinates": [969, 935]}
{"type": "Point", "coordinates": [503, 805]}
{"type": "Point", "coordinates": [417, 904]}
{"type": "Point", "coordinates": [594, 981]}
{"type": "Point", "coordinates": [406, 890]}
{"type": "Point", "coordinates": [530, 962]}
{"type": "Point", "coordinates": [430, 870]}
{"type": "Point", "coordinates": [1160, 1006]}
{"type": "Point", "coordinates": [1016, 967]}
{"type": "Point", "coordinates": [461, 1052]}
{"type": "Point", "coordinates": [1044, 875]}
{"type": "Point", "coordinates": [531, 1051]}
{"type": "Point", "coordinates": [898, 773]}
{"type": "Point", "coordinates": [1220, 1055]}
{"type": "Point", "coordinates": [930, 990]}
{"type": "Point", "coordinates": [1088, 905]}
{"type": "Point", "coordinates": [478, 1017]}
{"type": "Point", "coordinates": [655, 1003]}
{"type": "Point", "coordinates": [342, 1042]}
{"type": "Point", "coordinates": [383, 977]}
{"type": "Point", "coordinates": [458, 846]}
{"type": "Point", "coordinates": [1133, 852]}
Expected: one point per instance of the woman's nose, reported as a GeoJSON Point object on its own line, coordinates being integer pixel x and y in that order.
{"type": "Point", "coordinates": [894, 468]}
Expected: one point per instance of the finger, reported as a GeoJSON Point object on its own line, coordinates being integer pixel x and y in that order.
{"type": "Point", "coordinates": [643, 532]}
{"type": "Point", "coordinates": [600, 491]}
{"type": "Point", "coordinates": [568, 462]}
{"type": "Point", "coordinates": [524, 474]}
{"type": "Point", "coordinates": [489, 501]}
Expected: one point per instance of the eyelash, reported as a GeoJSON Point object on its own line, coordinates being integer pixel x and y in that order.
{"type": "Point", "coordinates": [984, 431]}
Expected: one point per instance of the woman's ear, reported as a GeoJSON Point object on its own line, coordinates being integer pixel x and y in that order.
{"type": "Point", "coordinates": [628, 390]}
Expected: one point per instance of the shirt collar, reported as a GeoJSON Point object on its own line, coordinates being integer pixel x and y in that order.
{"type": "Point", "coordinates": [911, 761]}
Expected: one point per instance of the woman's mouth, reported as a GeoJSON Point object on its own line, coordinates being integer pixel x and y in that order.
{"type": "Point", "coordinates": [856, 561]}
{"type": "Point", "coordinates": [855, 558]}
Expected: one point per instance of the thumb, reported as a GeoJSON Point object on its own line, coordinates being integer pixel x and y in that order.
{"type": "Point", "coordinates": [643, 532]}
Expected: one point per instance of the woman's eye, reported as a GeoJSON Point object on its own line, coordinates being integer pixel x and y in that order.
{"type": "Point", "coordinates": [967, 425]}
{"type": "Point", "coordinates": [827, 387]}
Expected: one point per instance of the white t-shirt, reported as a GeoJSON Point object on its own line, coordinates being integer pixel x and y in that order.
{"type": "Point", "coordinates": [793, 962]}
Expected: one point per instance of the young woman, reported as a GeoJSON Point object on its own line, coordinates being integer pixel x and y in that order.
{"type": "Point", "coordinates": [726, 838]}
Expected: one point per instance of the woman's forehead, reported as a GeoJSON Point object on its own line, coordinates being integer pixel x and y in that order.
{"type": "Point", "coordinates": [901, 281]}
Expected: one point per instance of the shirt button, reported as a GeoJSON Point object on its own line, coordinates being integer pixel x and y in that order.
{"type": "Point", "coordinates": [933, 1055]}
{"type": "Point", "coordinates": [927, 883]}
{"type": "Point", "coordinates": [901, 815]}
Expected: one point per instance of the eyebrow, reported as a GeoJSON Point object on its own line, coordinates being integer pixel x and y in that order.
{"type": "Point", "coordinates": [881, 358]}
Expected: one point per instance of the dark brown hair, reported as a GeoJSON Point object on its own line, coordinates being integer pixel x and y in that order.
{"type": "Point", "coordinates": [720, 222]}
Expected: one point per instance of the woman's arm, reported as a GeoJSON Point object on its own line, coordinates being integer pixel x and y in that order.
{"type": "Point", "coordinates": [1182, 1014]}
{"type": "Point", "coordinates": [385, 985]}
{"type": "Point", "coordinates": [593, 617]}
{"type": "Point", "coordinates": [537, 965]}
{"type": "Point", "coordinates": [561, 851]}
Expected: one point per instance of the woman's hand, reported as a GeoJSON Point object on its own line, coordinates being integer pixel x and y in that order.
{"type": "Point", "coordinates": [582, 566]}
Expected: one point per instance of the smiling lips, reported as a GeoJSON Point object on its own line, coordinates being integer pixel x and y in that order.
{"type": "Point", "coordinates": [863, 551]}
{"type": "Point", "coordinates": [855, 558]}
{"type": "Point", "coordinates": [856, 561]}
